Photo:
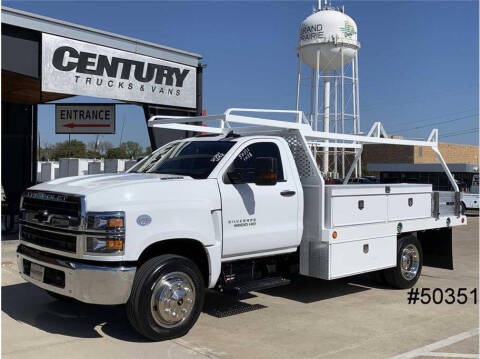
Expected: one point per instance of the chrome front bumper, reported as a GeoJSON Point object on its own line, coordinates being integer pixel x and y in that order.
{"type": "Point", "coordinates": [95, 284]}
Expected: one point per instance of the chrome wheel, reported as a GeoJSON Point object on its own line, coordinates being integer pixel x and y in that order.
{"type": "Point", "coordinates": [410, 262]}
{"type": "Point", "coordinates": [173, 299]}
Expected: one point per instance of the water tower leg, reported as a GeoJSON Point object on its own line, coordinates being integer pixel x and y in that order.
{"type": "Point", "coordinates": [326, 115]}
{"type": "Point", "coordinates": [342, 109]}
{"type": "Point", "coordinates": [358, 92]}
{"type": "Point", "coordinates": [317, 79]}
{"type": "Point", "coordinates": [312, 83]}
{"type": "Point", "coordinates": [335, 125]}
{"type": "Point", "coordinates": [354, 111]}
{"type": "Point", "coordinates": [358, 110]}
{"type": "Point", "coordinates": [299, 78]}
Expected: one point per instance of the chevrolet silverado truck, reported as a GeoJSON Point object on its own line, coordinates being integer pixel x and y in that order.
{"type": "Point", "coordinates": [235, 209]}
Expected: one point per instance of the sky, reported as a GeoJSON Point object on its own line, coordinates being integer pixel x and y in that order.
{"type": "Point", "coordinates": [418, 62]}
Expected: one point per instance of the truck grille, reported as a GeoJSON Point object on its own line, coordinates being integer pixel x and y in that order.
{"type": "Point", "coordinates": [47, 239]}
{"type": "Point", "coordinates": [53, 203]}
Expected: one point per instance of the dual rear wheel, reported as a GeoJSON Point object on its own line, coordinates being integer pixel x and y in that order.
{"type": "Point", "coordinates": [409, 265]}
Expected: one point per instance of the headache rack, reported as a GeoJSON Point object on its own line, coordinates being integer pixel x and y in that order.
{"type": "Point", "coordinates": [298, 132]}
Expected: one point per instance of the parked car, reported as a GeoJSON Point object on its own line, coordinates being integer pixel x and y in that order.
{"type": "Point", "coordinates": [333, 181]}
{"type": "Point", "coordinates": [373, 179]}
{"type": "Point", "coordinates": [360, 180]}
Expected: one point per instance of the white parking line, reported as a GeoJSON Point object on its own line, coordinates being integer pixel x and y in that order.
{"type": "Point", "coordinates": [452, 355]}
{"type": "Point", "coordinates": [428, 349]}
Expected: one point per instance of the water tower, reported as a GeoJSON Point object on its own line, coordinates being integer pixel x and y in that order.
{"type": "Point", "coordinates": [328, 45]}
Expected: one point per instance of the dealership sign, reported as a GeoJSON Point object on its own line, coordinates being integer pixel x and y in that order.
{"type": "Point", "coordinates": [80, 68]}
{"type": "Point", "coordinates": [84, 118]}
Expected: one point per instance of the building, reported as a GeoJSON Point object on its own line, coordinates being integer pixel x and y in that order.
{"type": "Point", "coordinates": [45, 59]}
{"type": "Point", "coordinates": [416, 164]}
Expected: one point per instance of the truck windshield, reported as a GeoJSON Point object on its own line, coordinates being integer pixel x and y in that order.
{"type": "Point", "coordinates": [196, 159]}
{"type": "Point", "coordinates": [152, 159]}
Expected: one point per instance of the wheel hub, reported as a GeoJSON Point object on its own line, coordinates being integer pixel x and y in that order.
{"type": "Point", "coordinates": [173, 298]}
{"type": "Point", "coordinates": [410, 262]}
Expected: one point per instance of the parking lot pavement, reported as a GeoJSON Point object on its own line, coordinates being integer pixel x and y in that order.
{"type": "Point", "coordinates": [310, 318]}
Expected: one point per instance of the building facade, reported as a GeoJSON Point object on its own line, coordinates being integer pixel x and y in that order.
{"type": "Point", "coordinates": [46, 59]}
{"type": "Point", "coordinates": [414, 164]}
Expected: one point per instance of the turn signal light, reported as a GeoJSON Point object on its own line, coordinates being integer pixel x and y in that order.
{"type": "Point", "coordinates": [96, 245]}
{"type": "Point", "coordinates": [115, 222]}
{"type": "Point", "coordinates": [334, 234]}
{"type": "Point", "coordinates": [115, 245]}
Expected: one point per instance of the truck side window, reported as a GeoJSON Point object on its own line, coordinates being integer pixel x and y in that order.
{"type": "Point", "coordinates": [245, 161]}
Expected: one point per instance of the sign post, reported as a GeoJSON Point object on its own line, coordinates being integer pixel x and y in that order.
{"type": "Point", "coordinates": [85, 118]}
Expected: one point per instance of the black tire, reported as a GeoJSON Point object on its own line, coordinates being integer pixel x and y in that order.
{"type": "Point", "coordinates": [143, 318]}
{"type": "Point", "coordinates": [379, 277]}
{"type": "Point", "coordinates": [394, 276]}
{"type": "Point", "coordinates": [60, 297]}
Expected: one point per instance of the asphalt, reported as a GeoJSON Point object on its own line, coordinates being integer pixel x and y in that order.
{"type": "Point", "coordinates": [348, 318]}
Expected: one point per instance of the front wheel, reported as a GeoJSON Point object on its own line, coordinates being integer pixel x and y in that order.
{"type": "Point", "coordinates": [167, 297]}
{"type": "Point", "coordinates": [409, 264]}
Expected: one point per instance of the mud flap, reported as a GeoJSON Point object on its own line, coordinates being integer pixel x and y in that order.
{"type": "Point", "coordinates": [437, 248]}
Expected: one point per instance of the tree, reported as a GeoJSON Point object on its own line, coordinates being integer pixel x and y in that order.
{"type": "Point", "coordinates": [73, 148]}
{"type": "Point", "coordinates": [103, 147]}
{"type": "Point", "coordinates": [132, 149]}
{"type": "Point", "coordinates": [148, 150]}
{"type": "Point", "coordinates": [47, 152]}
{"type": "Point", "coordinates": [93, 154]}
{"type": "Point", "coordinates": [116, 152]}
{"type": "Point", "coordinates": [91, 146]}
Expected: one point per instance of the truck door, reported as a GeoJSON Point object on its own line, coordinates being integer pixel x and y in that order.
{"type": "Point", "coordinates": [258, 218]}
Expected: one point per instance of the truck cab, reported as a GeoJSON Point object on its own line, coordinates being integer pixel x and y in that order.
{"type": "Point", "coordinates": [235, 210]}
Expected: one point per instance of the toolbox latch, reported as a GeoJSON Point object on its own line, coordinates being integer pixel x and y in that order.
{"type": "Point", "coordinates": [361, 204]}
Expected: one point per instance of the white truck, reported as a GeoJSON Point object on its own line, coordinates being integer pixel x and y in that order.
{"type": "Point", "coordinates": [238, 208]}
{"type": "Point", "coordinates": [470, 200]}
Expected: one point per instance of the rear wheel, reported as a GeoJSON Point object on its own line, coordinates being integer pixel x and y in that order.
{"type": "Point", "coordinates": [409, 264]}
{"type": "Point", "coordinates": [167, 297]}
{"type": "Point", "coordinates": [379, 277]}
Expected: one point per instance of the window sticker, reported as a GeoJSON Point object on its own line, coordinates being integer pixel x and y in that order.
{"type": "Point", "coordinates": [245, 155]}
{"type": "Point", "coordinates": [217, 157]}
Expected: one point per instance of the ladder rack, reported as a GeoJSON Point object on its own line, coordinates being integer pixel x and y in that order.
{"type": "Point", "coordinates": [376, 134]}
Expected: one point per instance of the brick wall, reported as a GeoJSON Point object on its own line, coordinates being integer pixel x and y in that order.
{"type": "Point", "coordinates": [387, 153]}
{"type": "Point", "coordinates": [451, 152]}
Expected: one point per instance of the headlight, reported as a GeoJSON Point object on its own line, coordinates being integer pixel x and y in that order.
{"type": "Point", "coordinates": [105, 245]}
{"type": "Point", "coordinates": [106, 233]}
{"type": "Point", "coordinates": [106, 220]}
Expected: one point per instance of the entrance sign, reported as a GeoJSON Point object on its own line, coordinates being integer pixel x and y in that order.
{"type": "Point", "coordinates": [80, 68]}
{"type": "Point", "coordinates": [85, 118]}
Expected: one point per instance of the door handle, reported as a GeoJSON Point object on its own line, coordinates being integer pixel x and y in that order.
{"type": "Point", "coordinates": [287, 193]}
